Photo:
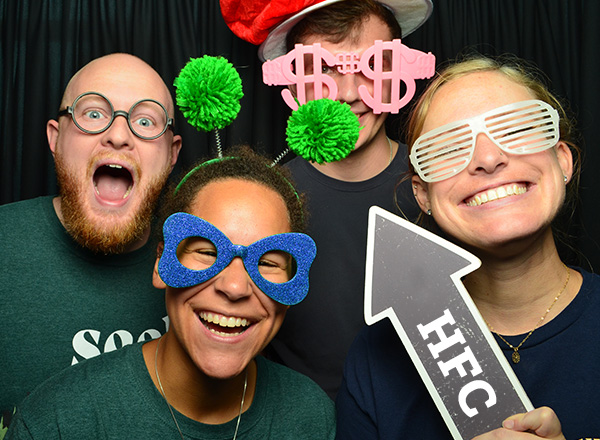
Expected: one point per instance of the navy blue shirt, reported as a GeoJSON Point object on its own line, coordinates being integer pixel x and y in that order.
{"type": "Point", "coordinates": [318, 332]}
{"type": "Point", "coordinates": [383, 397]}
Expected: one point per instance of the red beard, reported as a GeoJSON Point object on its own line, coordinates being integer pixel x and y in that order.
{"type": "Point", "coordinates": [112, 235]}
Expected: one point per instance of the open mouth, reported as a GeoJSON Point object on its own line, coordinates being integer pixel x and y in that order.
{"type": "Point", "coordinates": [113, 182]}
{"type": "Point", "coordinates": [224, 325]}
{"type": "Point", "coordinates": [500, 192]}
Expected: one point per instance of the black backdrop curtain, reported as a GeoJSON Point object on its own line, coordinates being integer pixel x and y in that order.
{"type": "Point", "coordinates": [43, 42]}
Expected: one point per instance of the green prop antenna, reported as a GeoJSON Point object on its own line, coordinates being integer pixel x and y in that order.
{"type": "Point", "coordinates": [322, 130]}
{"type": "Point", "coordinates": [208, 93]}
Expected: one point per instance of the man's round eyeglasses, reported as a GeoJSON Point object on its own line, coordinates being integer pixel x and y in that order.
{"type": "Point", "coordinates": [93, 113]}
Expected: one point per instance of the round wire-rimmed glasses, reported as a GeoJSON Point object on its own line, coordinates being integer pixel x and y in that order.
{"type": "Point", "coordinates": [93, 113]}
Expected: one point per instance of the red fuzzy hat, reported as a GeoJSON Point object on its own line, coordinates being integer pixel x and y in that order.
{"type": "Point", "coordinates": [269, 21]}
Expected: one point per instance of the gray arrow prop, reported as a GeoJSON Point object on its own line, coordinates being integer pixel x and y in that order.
{"type": "Point", "coordinates": [413, 278]}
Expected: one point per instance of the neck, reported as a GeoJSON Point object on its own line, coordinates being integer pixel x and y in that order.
{"type": "Point", "coordinates": [363, 163]}
{"type": "Point", "coordinates": [192, 393]}
{"type": "Point", "coordinates": [513, 293]}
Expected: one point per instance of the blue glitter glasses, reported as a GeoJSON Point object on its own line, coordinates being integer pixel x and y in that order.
{"type": "Point", "coordinates": [195, 251]}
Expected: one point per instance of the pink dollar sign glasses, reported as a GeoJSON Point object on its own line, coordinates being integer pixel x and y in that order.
{"type": "Point", "coordinates": [384, 61]}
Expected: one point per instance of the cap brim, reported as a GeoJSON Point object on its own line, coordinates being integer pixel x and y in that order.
{"type": "Point", "coordinates": [411, 14]}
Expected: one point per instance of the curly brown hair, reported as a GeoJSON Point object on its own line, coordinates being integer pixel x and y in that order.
{"type": "Point", "coordinates": [239, 162]}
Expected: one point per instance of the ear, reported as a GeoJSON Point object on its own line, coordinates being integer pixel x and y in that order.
{"type": "Point", "coordinates": [52, 134]}
{"type": "Point", "coordinates": [156, 279]}
{"type": "Point", "coordinates": [565, 159]}
{"type": "Point", "coordinates": [420, 193]}
{"type": "Point", "coordinates": [175, 149]}
{"type": "Point", "coordinates": [294, 90]}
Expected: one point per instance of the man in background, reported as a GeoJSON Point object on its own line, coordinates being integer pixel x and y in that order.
{"type": "Point", "coordinates": [317, 334]}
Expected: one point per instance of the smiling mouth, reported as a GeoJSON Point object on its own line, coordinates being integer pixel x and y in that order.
{"type": "Point", "coordinates": [496, 193]}
{"type": "Point", "coordinates": [224, 325]}
{"type": "Point", "coordinates": [113, 182]}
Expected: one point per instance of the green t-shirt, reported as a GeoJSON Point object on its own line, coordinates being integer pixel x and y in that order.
{"type": "Point", "coordinates": [113, 397]}
{"type": "Point", "coordinates": [61, 304]}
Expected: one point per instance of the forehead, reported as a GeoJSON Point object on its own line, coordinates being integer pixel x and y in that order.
{"type": "Point", "coordinates": [471, 95]}
{"type": "Point", "coordinates": [370, 30]}
{"type": "Point", "coordinates": [241, 208]}
{"type": "Point", "coordinates": [123, 80]}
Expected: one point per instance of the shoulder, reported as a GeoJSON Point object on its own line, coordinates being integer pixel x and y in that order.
{"type": "Point", "coordinates": [295, 385]}
{"type": "Point", "coordinates": [31, 208]}
{"type": "Point", "coordinates": [590, 287]}
{"type": "Point", "coordinates": [303, 174]}
{"type": "Point", "coordinates": [377, 354]}
{"type": "Point", "coordinates": [32, 221]}
{"type": "Point", "coordinates": [378, 336]}
{"type": "Point", "coordinates": [96, 376]}
{"type": "Point", "coordinates": [295, 393]}
{"type": "Point", "coordinates": [292, 404]}
{"type": "Point", "coordinates": [77, 402]}
{"type": "Point", "coordinates": [295, 164]}
{"type": "Point", "coordinates": [589, 279]}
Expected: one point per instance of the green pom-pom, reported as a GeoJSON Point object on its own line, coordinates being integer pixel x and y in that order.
{"type": "Point", "coordinates": [208, 92]}
{"type": "Point", "coordinates": [322, 130]}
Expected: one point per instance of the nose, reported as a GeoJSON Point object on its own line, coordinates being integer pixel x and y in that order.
{"type": "Point", "coordinates": [487, 157]}
{"type": "Point", "coordinates": [348, 87]}
{"type": "Point", "coordinates": [118, 135]}
{"type": "Point", "coordinates": [233, 281]}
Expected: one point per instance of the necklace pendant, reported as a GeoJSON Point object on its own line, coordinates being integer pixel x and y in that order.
{"type": "Point", "coordinates": [516, 357]}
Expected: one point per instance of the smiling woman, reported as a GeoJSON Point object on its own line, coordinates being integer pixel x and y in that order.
{"type": "Point", "coordinates": [493, 165]}
{"type": "Point", "coordinates": [232, 259]}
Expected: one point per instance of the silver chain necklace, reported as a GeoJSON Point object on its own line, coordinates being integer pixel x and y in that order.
{"type": "Point", "coordinates": [162, 392]}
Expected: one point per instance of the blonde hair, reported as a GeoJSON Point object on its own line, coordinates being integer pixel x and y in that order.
{"type": "Point", "coordinates": [523, 73]}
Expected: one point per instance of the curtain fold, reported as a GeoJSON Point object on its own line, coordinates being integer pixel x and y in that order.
{"type": "Point", "coordinates": [43, 42]}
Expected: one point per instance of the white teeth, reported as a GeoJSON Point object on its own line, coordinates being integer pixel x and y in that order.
{"type": "Point", "coordinates": [114, 165]}
{"type": "Point", "coordinates": [224, 321]}
{"type": "Point", "coordinates": [497, 193]}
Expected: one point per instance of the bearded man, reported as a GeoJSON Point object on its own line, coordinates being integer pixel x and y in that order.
{"type": "Point", "coordinates": [76, 267]}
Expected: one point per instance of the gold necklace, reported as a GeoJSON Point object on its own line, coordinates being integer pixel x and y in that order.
{"type": "Point", "coordinates": [162, 392]}
{"type": "Point", "coordinates": [516, 356]}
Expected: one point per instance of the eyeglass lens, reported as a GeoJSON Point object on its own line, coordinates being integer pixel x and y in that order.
{"type": "Point", "coordinates": [94, 113]}
{"type": "Point", "coordinates": [522, 128]}
{"type": "Point", "coordinates": [199, 253]}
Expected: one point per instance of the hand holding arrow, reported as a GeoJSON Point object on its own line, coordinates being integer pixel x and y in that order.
{"type": "Point", "coordinates": [413, 277]}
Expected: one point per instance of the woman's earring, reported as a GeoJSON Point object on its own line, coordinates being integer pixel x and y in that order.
{"type": "Point", "coordinates": [565, 178]}
{"type": "Point", "coordinates": [428, 212]}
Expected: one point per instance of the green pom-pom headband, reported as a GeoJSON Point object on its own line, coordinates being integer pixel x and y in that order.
{"type": "Point", "coordinates": [322, 130]}
{"type": "Point", "coordinates": [208, 93]}
{"type": "Point", "coordinates": [220, 159]}
{"type": "Point", "coordinates": [196, 168]}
